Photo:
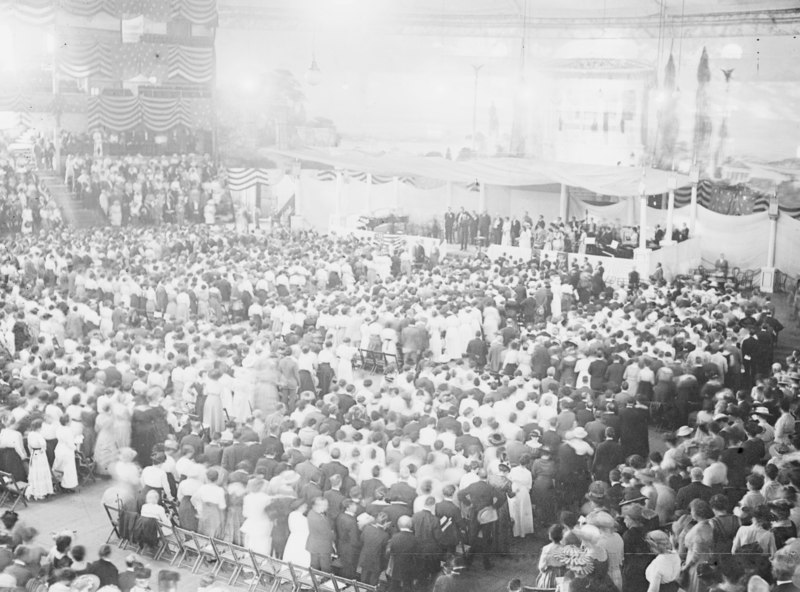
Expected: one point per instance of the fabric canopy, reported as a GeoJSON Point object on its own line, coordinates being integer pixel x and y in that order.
{"type": "Point", "coordinates": [123, 61]}
{"type": "Point", "coordinates": [34, 12]}
{"type": "Point", "coordinates": [514, 172]}
{"type": "Point", "coordinates": [155, 113]}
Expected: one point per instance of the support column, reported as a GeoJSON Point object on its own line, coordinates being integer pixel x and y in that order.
{"type": "Point", "coordinates": [631, 211]}
{"type": "Point", "coordinates": [768, 272]}
{"type": "Point", "coordinates": [643, 222]}
{"type": "Point", "coordinates": [368, 199]}
{"type": "Point", "coordinates": [299, 205]}
{"type": "Point", "coordinates": [337, 213]}
{"type": "Point", "coordinates": [773, 237]}
{"type": "Point", "coordinates": [450, 195]}
{"type": "Point", "coordinates": [694, 175]}
{"type": "Point", "coordinates": [482, 197]}
{"type": "Point", "coordinates": [395, 193]}
{"type": "Point", "coordinates": [563, 204]}
{"type": "Point", "coordinates": [670, 219]}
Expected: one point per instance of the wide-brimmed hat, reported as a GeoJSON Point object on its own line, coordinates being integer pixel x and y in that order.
{"type": "Point", "coordinates": [496, 439]}
{"type": "Point", "coordinates": [634, 512]}
{"type": "Point", "coordinates": [602, 520]}
{"type": "Point", "coordinates": [683, 431]}
{"type": "Point", "coordinates": [577, 433]}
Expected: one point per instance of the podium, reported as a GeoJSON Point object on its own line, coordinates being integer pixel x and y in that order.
{"type": "Point", "coordinates": [768, 277]}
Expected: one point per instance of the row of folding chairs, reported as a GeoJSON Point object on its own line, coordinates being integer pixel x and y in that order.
{"type": "Point", "coordinates": [376, 361]}
{"type": "Point", "coordinates": [244, 567]}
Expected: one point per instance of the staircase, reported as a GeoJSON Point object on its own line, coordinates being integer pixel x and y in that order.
{"type": "Point", "coordinates": [74, 213]}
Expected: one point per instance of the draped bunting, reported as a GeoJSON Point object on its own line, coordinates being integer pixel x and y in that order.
{"type": "Point", "coordinates": [154, 113]}
{"type": "Point", "coordinates": [240, 179]}
{"type": "Point", "coordinates": [198, 12]}
{"type": "Point", "coordinates": [34, 12]}
{"type": "Point", "coordinates": [42, 12]}
{"type": "Point", "coordinates": [123, 61]}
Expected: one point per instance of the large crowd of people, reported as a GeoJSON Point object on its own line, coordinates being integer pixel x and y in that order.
{"type": "Point", "coordinates": [137, 190]}
{"type": "Point", "coordinates": [214, 377]}
{"type": "Point", "coordinates": [26, 205]}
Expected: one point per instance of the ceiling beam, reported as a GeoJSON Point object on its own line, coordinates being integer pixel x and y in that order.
{"type": "Point", "coordinates": [729, 24]}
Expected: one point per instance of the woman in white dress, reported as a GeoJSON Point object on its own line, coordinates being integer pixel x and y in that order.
{"type": "Point", "coordinates": [40, 480]}
{"type": "Point", "coordinates": [506, 232]}
{"type": "Point", "coordinates": [345, 353]}
{"type": "Point", "coordinates": [65, 455]}
{"type": "Point", "coordinates": [295, 551]}
{"type": "Point", "coordinates": [257, 526]}
{"type": "Point", "coordinates": [555, 303]}
{"type": "Point", "coordinates": [242, 393]}
{"type": "Point", "coordinates": [452, 339]}
{"type": "Point", "coordinates": [519, 506]}
{"type": "Point", "coordinates": [526, 237]}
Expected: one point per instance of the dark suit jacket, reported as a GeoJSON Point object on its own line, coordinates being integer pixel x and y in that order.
{"type": "Point", "coordinates": [233, 455]}
{"type": "Point", "coordinates": [427, 532]}
{"type": "Point", "coordinates": [786, 587]}
{"type": "Point", "coordinates": [320, 534]}
{"type": "Point", "coordinates": [634, 435]}
{"type": "Point", "coordinates": [607, 456]}
{"type": "Point", "coordinates": [307, 472]}
{"type": "Point", "coordinates": [373, 548]}
{"type": "Point", "coordinates": [450, 534]}
{"type": "Point", "coordinates": [394, 511]}
{"type": "Point", "coordinates": [333, 468]}
{"type": "Point", "coordinates": [403, 492]}
{"type": "Point", "coordinates": [695, 490]}
{"type": "Point", "coordinates": [348, 541]}
{"type": "Point", "coordinates": [106, 571]}
{"type": "Point", "coordinates": [403, 550]}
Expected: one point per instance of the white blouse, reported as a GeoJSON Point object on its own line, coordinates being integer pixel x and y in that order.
{"type": "Point", "coordinates": [665, 568]}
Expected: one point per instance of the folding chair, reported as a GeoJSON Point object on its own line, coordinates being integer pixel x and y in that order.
{"type": "Point", "coordinates": [113, 518]}
{"type": "Point", "coordinates": [270, 574]}
{"type": "Point", "coordinates": [301, 578]}
{"type": "Point", "coordinates": [206, 552]}
{"type": "Point", "coordinates": [389, 360]}
{"type": "Point", "coordinates": [171, 544]}
{"type": "Point", "coordinates": [86, 468]}
{"type": "Point", "coordinates": [189, 550]}
{"type": "Point", "coordinates": [227, 555]}
{"type": "Point", "coordinates": [11, 491]}
{"type": "Point", "coordinates": [367, 360]}
{"type": "Point", "coordinates": [361, 587]}
{"type": "Point", "coordinates": [325, 582]}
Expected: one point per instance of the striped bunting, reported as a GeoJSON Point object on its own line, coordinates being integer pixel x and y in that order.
{"type": "Point", "coordinates": [241, 179]}
{"type": "Point", "coordinates": [156, 113]}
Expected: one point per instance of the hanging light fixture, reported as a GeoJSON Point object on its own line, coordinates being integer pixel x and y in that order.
{"type": "Point", "coordinates": [313, 74]}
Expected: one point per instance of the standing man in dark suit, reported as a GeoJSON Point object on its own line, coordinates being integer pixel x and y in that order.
{"type": "Point", "coordinates": [429, 538]}
{"type": "Point", "coordinates": [478, 496]}
{"type": "Point", "coordinates": [751, 349]}
{"type": "Point", "coordinates": [633, 429]}
{"type": "Point", "coordinates": [404, 557]}
{"type": "Point", "coordinates": [449, 225]}
{"type": "Point", "coordinates": [451, 513]}
{"type": "Point", "coordinates": [320, 536]}
{"type": "Point", "coordinates": [607, 456]}
{"type": "Point", "coordinates": [372, 559]}
{"type": "Point", "coordinates": [348, 542]}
